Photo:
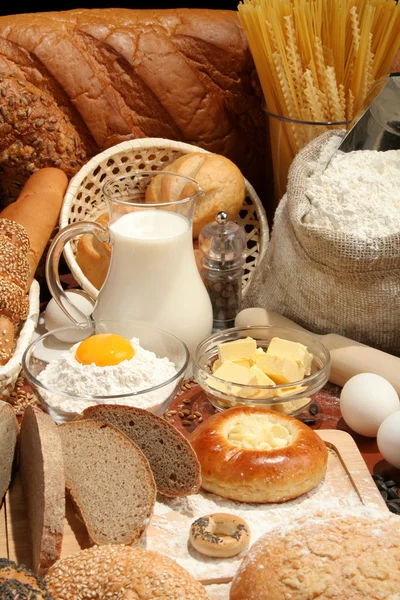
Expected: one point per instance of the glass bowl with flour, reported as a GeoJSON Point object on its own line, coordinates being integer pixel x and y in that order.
{"type": "Point", "coordinates": [68, 377]}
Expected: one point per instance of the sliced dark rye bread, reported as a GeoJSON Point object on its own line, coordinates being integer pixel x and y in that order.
{"type": "Point", "coordinates": [8, 444]}
{"type": "Point", "coordinates": [109, 479]}
{"type": "Point", "coordinates": [43, 484]}
{"type": "Point", "coordinates": [174, 463]}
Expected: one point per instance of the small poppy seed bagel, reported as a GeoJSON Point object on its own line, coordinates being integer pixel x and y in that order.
{"type": "Point", "coordinates": [250, 454]}
{"type": "Point", "coordinates": [17, 582]}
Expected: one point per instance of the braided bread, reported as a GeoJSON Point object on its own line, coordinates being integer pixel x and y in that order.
{"type": "Point", "coordinates": [14, 277]}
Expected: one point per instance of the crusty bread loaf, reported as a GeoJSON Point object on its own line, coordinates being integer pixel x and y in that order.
{"type": "Point", "coordinates": [17, 582]}
{"type": "Point", "coordinates": [122, 573]}
{"type": "Point", "coordinates": [8, 444]}
{"type": "Point", "coordinates": [250, 454]}
{"type": "Point", "coordinates": [109, 479]}
{"type": "Point", "coordinates": [97, 77]}
{"type": "Point", "coordinates": [219, 178]}
{"type": "Point", "coordinates": [172, 459]}
{"type": "Point", "coordinates": [346, 557]}
{"type": "Point", "coordinates": [43, 485]}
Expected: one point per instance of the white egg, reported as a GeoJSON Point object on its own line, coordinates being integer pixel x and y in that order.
{"type": "Point", "coordinates": [388, 439]}
{"type": "Point", "coordinates": [54, 317]}
{"type": "Point", "coordinates": [365, 401]}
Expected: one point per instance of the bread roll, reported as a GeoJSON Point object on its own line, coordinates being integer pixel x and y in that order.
{"type": "Point", "coordinates": [250, 454]}
{"type": "Point", "coordinates": [19, 583]}
{"type": "Point", "coordinates": [343, 558]}
{"type": "Point", "coordinates": [220, 179]}
{"type": "Point", "coordinates": [93, 256]}
{"type": "Point", "coordinates": [121, 573]}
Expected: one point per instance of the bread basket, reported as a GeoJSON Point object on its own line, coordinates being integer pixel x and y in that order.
{"type": "Point", "coordinates": [83, 200]}
{"type": "Point", "coordinates": [9, 372]}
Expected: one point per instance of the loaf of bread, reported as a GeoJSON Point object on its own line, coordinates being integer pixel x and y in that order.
{"type": "Point", "coordinates": [250, 454]}
{"type": "Point", "coordinates": [25, 229]}
{"type": "Point", "coordinates": [172, 459]}
{"type": "Point", "coordinates": [43, 484]}
{"type": "Point", "coordinates": [220, 179]}
{"type": "Point", "coordinates": [8, 446]}
{"type": "Point", "coordinates": [109, 479]}
{"type": "Point", "coordinates": [91, 78]}
{"type": "Point", "coordinates": [17, 582]}
{"type": "Point", "coordinates": [345, 557]}
{"type": "Point", "coordinates": [121, 573]}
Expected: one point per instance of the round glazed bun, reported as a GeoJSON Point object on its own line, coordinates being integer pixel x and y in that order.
{"type": "Point", "coordinates": [121, 572]}
{"type": "Point", "coordinates": [250, 454]}
{"type": "Point", "coordinates": [19, 583]}
{"type": "Point", "coordinates": [346, 558]}
{"type": "Point", "coordinates": [93, 256]}
{"type": "Point", "coordinates": [219, 178]}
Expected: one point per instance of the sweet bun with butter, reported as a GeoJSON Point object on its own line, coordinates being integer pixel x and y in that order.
{"type": "Point", "coordinates": [250, 454]}
{"type": "Point", "coordinates": [220, 179]}
{"type": "Point", "coordinates": [93, 256]}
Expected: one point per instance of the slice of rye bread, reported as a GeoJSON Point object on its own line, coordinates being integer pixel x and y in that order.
{"type": "Point", "coordinates": [8, 445]}
{"type": "Point", "coordinates": [109, 479]}
{"type": "Point", "coordinates": [43, 484]}
{"type": "Point", "coordinates": [174, 462]}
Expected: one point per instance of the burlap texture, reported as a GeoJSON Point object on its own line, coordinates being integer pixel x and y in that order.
{"type": "Point", "coordinates": [325, 280]}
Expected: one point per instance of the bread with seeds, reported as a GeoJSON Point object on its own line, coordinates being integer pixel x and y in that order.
{"type": "Point", "coordinates": [109, 479]}
{"type": "Point", "coordinates": [43, 484]}
{"type": "Point", "coordinates": [8, 444]}
{"type": "Point", "coordinates": [174, 463]}
{"type": "Point", "coordinates": [121, 573]}
{"type": "Point", "coordinates": [17, 582]}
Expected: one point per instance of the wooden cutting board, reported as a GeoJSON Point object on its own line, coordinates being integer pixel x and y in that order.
{"type": "Point", "coordinates": [347, 486]}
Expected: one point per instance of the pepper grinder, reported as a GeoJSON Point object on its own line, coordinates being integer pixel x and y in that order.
{"type": "Point", "coordinates": [222, 244]}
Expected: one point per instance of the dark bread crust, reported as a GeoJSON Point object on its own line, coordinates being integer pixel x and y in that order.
{"type": "Point", "coordinates": [117, 74]}
{"type": "Point", "coordinates": [245, 475]}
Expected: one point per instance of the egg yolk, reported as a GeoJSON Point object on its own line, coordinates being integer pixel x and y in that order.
{"type": "Point", "coordinates": [104, 350]}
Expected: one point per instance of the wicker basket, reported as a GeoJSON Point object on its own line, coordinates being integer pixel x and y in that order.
{"type": "Point", "coordinates": [9, 372]}
{"type": "Point", "coordinates": [84, 200]}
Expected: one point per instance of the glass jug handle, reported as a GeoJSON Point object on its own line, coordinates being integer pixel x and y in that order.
{"type": "Point", "coordinates": [52, 268]}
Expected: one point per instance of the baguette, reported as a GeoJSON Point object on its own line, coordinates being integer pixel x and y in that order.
{"type": "Point", "coordinates": [37, 209]}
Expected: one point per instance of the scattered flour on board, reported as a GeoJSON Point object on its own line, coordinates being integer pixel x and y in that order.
{"type": "Point", "coordinates": [355, 192]}
{"type": "Point", "coordinates": [169, 527]}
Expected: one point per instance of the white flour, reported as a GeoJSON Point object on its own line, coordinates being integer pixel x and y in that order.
{"type": "Point", "coordinates": [84, 382]}
{"type": "Point", "coordinates": [169, 527]}
{"type": "Point", "coordinates": [357, 192]}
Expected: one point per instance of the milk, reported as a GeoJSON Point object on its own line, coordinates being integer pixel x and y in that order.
{"type": "Point", "coordinates": [153, 276]}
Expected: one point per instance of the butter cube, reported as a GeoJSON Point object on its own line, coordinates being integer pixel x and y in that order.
{"type": "Point", "coordinates": [244, 348]}
{"type": "Point", "coordinates": [280, 369]}
{"type": "Point", "coordinates": [233, 373]}
{"type": "Point", "coordinates": [262, 379]}
{"type": "Point", "coordinates": [293, 351]}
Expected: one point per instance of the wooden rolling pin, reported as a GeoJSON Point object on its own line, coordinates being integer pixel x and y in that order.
{"type": "Point", "coordinates": [348, 357]}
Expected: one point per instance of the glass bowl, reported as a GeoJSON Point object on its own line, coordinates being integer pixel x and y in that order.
{"type": "Point", "coordinates": [65, 404]}
{"type": "Point", "coordinates": [284, 398]}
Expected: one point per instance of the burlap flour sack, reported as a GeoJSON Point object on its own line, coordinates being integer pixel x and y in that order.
{"type": "Point", "coordinates": [326, 280]}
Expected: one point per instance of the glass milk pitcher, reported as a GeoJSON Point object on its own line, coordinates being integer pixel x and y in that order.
{"type": "Point", "coordinates": [152, 275]}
